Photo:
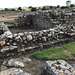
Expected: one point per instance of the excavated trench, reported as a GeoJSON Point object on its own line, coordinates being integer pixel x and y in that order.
{"type": "Point", "coordinates": [37, 66]}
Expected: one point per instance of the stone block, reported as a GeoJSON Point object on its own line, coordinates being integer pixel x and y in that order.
{"type": "Point", "coordinates": [29, 37]}
{"type": "Point", "coordinates": [59, 67]}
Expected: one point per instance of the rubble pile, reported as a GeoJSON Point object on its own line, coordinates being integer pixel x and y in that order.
{"type": "Point", "coordinates": [59, 67]}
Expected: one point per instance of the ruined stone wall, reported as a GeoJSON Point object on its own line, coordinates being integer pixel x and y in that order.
{"type": "Point", "coordinates": [45, 19]}
{"type": "Point", "coordinates": [23, 20]}
{"type": "Point", "coordinates": [38, 21]}
{"type": "Point", "coordinates": [41, 20]}
{"type": "Point", "coordinates": [36, 40]}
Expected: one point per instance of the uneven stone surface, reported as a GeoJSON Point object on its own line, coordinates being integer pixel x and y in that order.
{"type": "Point", "coordinates": [15, 63]}
{"type": "Point", "coordinates": [73, 65]}
{"type": "Point", "coordinates": [3, 68]}
{"type": "Point", "coordinates": [24, 73]}
{"type": "Point", "coordinates": [10, 48]}
{"type": "Point", "coordinates": [12, 71]}
{"type": "Point", "coordinates": [44, 39]}
{"type": "Point", "coordinates": [26, 60]}
{"type": "Point", "coordinates": [59, 67]}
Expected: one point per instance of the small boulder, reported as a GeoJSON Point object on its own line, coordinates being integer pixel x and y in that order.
{"type": "Point", "coordinates": [3, 68]}
{"type": "Point", "coordinates": [26, 60]}
{"type": "Point", "coordinates": [44, 39]}
{"type": "Point", "coordinates": [14, 35]}
{"type": "Point", "coordinates": [21, 34]}
{"type": "Point", "coordinates": [29, 37]}
{"type": "Point", "coordinates": [15, 63]}
{"type": "Point", "coordinates": [5, 62]}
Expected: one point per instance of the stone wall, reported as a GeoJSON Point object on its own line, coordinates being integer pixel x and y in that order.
{"type": "Point", "coordinates": [35, 40]}
{"type": "Point", "coordinates": [42, 21]}
{"type": "Point", "coordinates": [46, 19]}
{"type": "Point", "coordinates": [38, 21]}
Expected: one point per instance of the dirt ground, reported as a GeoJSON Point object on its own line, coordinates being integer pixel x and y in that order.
{"type": "Point", "coordinates": [7, 16]}
{"type": "Point", "coordinates": [10, 15]}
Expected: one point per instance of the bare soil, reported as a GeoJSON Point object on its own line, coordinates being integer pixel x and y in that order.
{"type": "Point", "coordinates": [11, 15]}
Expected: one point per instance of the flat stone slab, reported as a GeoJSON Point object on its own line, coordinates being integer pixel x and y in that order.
{"type": "Point", "coordinates": [9, 48]}
{"type": "Point", "coordinates": [12, 71]}
{"type": "Point", "coordinates": [15, 62]}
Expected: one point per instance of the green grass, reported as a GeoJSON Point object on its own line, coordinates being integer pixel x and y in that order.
{"type": "Point", "coordinates": [71, 48]}
{"type": "Point", "coordinates": [9, 21]}
{"type": "Point", "coordinates": [56, 53]}
{"type": "Point", "coordinates": [27, 9]}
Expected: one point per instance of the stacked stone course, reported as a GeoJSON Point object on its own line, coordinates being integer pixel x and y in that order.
{"type": "Point", "coordinates": [34, 40]}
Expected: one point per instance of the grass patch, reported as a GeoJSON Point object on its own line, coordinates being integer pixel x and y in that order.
{"type": "Point", "coordinates": [71, 48]}
{"type": "Point", "coordinates": [9, 21]}
{"type": "Point", "coordinates": [52, 54]}
{"type": "Point", "coordinates": [56, 53]}
{"type": "Point", "coordinates": [27, 9]}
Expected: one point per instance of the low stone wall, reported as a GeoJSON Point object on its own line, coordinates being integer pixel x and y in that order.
{"type": "Point", "coordinates": [59, 67]}
{"type": "Point", "coordinates": [36, 40]}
